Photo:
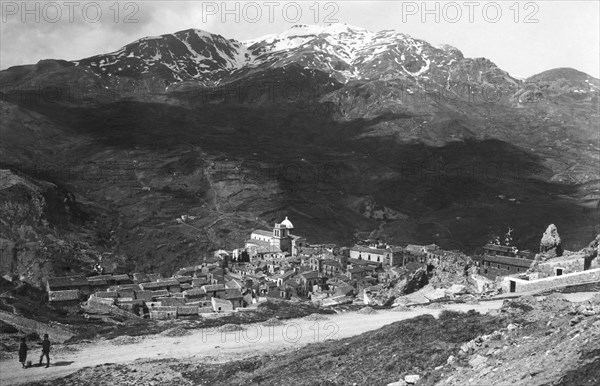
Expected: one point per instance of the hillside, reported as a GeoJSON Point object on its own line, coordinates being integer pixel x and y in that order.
{"type": "Point", "coordinates": [316, 123]}
{"type": "Point", "coordinates": [528, 341]}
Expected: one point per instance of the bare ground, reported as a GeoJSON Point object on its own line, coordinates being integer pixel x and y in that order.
{"type": "Point", "coordinates": [215, 345]}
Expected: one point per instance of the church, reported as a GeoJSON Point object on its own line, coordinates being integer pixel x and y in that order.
{"type": "Point", "coordinates": [278, 241]}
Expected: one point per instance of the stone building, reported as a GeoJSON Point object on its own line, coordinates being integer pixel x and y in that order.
{"type": "Point", "coordinates": [279, 240]}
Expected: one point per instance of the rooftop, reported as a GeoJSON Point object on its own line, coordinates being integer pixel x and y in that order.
{"type": "Point", "coordinates": [67, 281]}
{"type": "Point", "coordinates": [262, 233]}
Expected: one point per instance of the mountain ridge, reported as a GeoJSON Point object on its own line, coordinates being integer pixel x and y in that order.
{"type": "Point", "coordinates": [354, 142]}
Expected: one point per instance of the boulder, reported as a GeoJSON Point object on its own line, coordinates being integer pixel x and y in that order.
{"type": "Point", "coordinates": [511, 327]}
{"type": "Point", "coordinates": [477, 361]}
{"type": "Point", "coordinates": [399, 383]}
{"type": "Point", "coordinates": [551, 242]}
{"type": "Point", "coordinates": [457, 289]}
{"type": "Point", "coordinates": [432, 293]}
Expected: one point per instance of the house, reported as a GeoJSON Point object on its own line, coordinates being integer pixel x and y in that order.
{"type": "Point", "coordinates": [106, 294]}
{"type": "Point", "coordinates": [107, 278]}
{"type": "Point", "coordinates": [171, 285]}
{"type": "Point", "coordinates": [144, 295]}
{"type": "Point", "coordinates": [163, 313]}
{"type": "Point", "coordinates": [500, 260]}
{"type": "Point", "coordinates": [413, 253]}
{"type": "Point", "coordinates": [188, 271]}
{"type": "Point", "coordinates": [388, 257]}
{"type": "Point", "coordinates": [331, 267]}
{"type": "Point", "coordinates": [146, 277]}
{"type": "Point", "coordinates": [308, 280]}
{"type": "Point", "coordinates": [355, 263]}
{"type": "Point", "coordinates": [357, 273]}
{"type": "Point", "coordinates": [194, 294]}
{"type": "Point", "coordinates": [233, 284]}
{"type": "Point", "coordinates": [99, 285]}
{"type": "Point", "coordinates": [187, 310]}
{"type": "Point", "coordinates": [221, 305]}
{"type": "Point", "coordinates": [267, 287]}
{"type": "Point", "coordinates": [184, 279]}
{"type": "Point", "coordinates": [136, 307]}
{"type": "Point", "coordinates": [64, 298]}
{"type": "Point", "coordinates": [235, 297]}
{"type": "Point", "coordinates": [68, 283]}
{"type": "Point", "coordinates": [122, 279]}
{"type": "Point", "coordinates": [214, 290]}
{"type": "Point", "coordinates": [160, 293]}
{"type": "Point", "coordinates": [171, 302]}
{"type": "Point", "coordinates": [314, 262]}
{"type": "Point", "coordinates": [199, 282]}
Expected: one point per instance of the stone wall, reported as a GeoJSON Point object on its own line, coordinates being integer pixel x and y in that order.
{"type": "Point", "coordinates": [589, 276]}
{"type": "Point", "coordinates": [548, 268]}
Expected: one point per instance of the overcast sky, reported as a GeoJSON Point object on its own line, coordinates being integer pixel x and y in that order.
{"type": "Point", "coordinates": [524, 40]}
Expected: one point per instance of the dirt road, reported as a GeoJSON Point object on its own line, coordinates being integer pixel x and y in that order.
{"type": "Point", "coordinates": [213, 345]}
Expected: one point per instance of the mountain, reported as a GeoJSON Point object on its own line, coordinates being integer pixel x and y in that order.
{"type": "Point", "coordinates": [178, 145]}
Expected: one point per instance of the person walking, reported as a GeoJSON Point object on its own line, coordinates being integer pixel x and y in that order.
{"type": "Point", "coordinates": [23, 352]}
{"type": "Point", "coordinates": [45, 351]}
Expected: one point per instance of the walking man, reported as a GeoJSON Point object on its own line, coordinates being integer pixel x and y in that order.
{"type": "Point", "coordinates": [45, 351]}
{"type": "Point", "coordinates": [23, 352]}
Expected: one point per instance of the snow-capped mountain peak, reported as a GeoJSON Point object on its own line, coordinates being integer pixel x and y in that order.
{"type": "Point", "coordinates": [339, 50]}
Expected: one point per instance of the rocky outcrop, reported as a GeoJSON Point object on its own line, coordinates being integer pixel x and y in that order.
{"type": "Point", "coordinates": [43, 231]}
{"type": "Point", "coordinates": [551, 244]}
{"type": "Point", "coordinates": [553, 343]}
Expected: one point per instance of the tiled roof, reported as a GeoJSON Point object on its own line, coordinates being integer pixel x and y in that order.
{"type": "Point", "coordinates": [514, 261]}
{"type": "Point", "coordinates": [214, 287]}
{"type": "Point", "coordinates": [160, 293]}
{"type": "Point", "coordinates": [159, 284]}
{"type": "Point", "coordinates": [123, 277]}
{"type": "Point", "coordinates": [146, 277]}
{"type": "Point", "coordinates": [107, 294]}
{"type": "Point", "coordinates": [291, 283]}
{"type": "Point", "coordinates": [363, 262]}
{"type": "Point", "coordinates": [101, 277]}
{"type": "Point", "coordinates": [310, 275]}
{"type": "Point", "coordinates": [370, 250]}
{"type": "Point", "coordinates": [194, 292]}
{"type": "Point", "coordinates": [199, 282]}
{"type": "Point", "coordinates": [99, 283]}
{"type": "Point", "coordinates": [128, 286]}
{"type": "Point", "coordinates": [233, 284]}
{"type": "Point", "coordinates": [67, 281]}
{"type": "Point", "coordinates": [233, 294]}
{"type": "Point", "coordinates": [499, 248]}
{"type": "Point", "coordinates": [144, 295]}
{"type": "Point", "coordinates": [263, 233]}
{"type": "Point", "coordinates": [61, 296]}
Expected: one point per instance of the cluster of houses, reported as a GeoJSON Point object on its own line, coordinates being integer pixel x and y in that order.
{"type": "Point", "coordinates": [272, 264]}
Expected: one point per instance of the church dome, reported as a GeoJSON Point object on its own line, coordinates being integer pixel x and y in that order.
{"type": "Point", "coordinates": [287, 223]}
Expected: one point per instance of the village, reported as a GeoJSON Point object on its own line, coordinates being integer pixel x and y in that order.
{"type": "Point", "coordinates": [279, 264]}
